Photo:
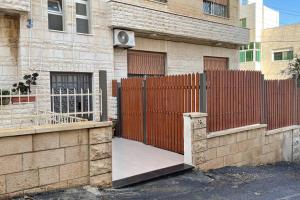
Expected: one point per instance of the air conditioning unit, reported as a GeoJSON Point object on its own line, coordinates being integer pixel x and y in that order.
{"type": "Point", "coordinates": [125, 39]}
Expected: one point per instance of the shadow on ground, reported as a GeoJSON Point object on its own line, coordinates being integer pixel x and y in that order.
{"type": "Point", "coordinates": [274, 182]}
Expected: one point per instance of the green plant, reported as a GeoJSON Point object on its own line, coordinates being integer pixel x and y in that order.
{"type": "Point", "coordinates": [24, 88]}
{"type": "Point", "coordinates": [293, 69]}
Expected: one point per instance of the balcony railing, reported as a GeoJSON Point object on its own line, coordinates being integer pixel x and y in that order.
{"type": "Point", "coordinates": [59, 107]}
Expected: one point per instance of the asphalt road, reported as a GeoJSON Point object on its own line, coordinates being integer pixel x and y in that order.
{"type": "Point", "coordinates": [274, 182]}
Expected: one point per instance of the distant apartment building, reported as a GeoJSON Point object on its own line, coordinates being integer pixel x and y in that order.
{"type": "Point", "coordinates": [256, 17]}
{"type": "Point", "coordinates": [85, 44]}
{"type": "Point", "coordinates": [280, 46]}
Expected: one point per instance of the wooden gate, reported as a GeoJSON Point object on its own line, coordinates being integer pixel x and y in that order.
{"type": "Point", "coordinates": [152, 109]}
{"type": "Point", "coordinates": [132, 109]}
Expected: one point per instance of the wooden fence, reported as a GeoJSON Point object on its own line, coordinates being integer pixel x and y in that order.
{"type": "Point", "coordinates": [281, 103]}
{"type": "Point", "coordinates": [132, 109]}
{"type": "Point", "coordinates": [234, 99]}
{"type": "Point", "coordinates": [298, 106]}
{"type": "Point", "coordinates": [152, 109]}
{"type": "Point", "coordinates": [167, 99]}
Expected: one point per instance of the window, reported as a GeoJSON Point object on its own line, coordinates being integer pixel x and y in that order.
{"type": "Point", "coordinates": [243, 22]}
{"type": "Point", "coordinates": [82, 16]}
{"type": "Point", "coordinates": [257, 56]}
{"type": "Point", "coordinates": [283, 55]}
{"type": "Point", "coordinates": [250, 52]}
{"type": "Point", "coordinates": [64, 82]}
{"type": "Point", "coordinates": [216, 7]}
{"type": "Point", "coordinates": [215, 63]}
{"type": "Point", "coordinates": [257, 45]}
{"type": "Point", "coordinates": [55, 15]}
{"type": "Point", "coordinates": [249, 56]}
{"type": "Point", "coordinates": [242, 56]}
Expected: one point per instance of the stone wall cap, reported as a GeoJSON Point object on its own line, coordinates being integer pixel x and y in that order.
{"type": "Point", "coordinates": [236, 130]}
{"type": "Point", "coordinates": [10, 132]}
{"type": "Point", "coordinates": [280, 130]}
{"type": "Point", "coordinates": [195, 115]}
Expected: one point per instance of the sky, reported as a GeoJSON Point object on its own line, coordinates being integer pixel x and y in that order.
{"type": "Point", "coordinates": [287, 8]}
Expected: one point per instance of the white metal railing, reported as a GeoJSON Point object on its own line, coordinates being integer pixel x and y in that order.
{"type": "Point", "coordinates": [58, 107]}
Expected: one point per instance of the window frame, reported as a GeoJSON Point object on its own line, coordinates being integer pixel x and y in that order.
{"type": "Point", "coordinates": [87, 17]}
{"type": "Point", "coordinates": [243, 22]}
{"type": "Point", "coordinates": [282, 51]}
{"type": "Point", "coordinates": [61, 13]}
{"type": "Point", "coordinates": [212, 8]}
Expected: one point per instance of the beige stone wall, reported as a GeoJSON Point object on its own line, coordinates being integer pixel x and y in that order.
{"type": "Point", "coordinates": [44, 51]}
{"type": "Point", "coordinates": [9, 38]}
{"type": "Point", "coordinates": [145, 21]}
{"type": "Point", "coordinates": [283, 37]}
{"type": "Point", "coordinates": [13, 115]}
{"type": "Point", "coordinates": [15, 5]}
{"type": "Point", "coordinates": [185, 57]}
{"type": "Point", "coordinates": [251, 145]}
{"type": "Point", "coordinates": [191, 8]}
{"type": "Point", "coordinates": [47, 158]}
{"type": "Point", "coordinates": [247, 66]}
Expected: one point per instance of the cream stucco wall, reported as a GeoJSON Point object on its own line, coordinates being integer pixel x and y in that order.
{"type": "Point", "coordinates": [181, 57]}
{"type": "Point", "coordinates": [258, 17]}
{"type": "Point", "coordinates": [284, 37]}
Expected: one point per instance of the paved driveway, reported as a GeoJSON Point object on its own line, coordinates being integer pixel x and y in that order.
{"type": "Point", "coordinates": [131, 158]}
{"type": "Point", "coordinates": [276, 182]}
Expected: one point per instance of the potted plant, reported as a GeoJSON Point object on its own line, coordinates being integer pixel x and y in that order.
{"type": "Point", "coordinates": [4, 100]}
{"type": "Point", "coordinates": [24, 89]}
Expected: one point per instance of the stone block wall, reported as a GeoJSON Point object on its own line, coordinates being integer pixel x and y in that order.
{"type": "Point", "coordinates": [13, 115]}
{"type": "Point", "coordinates": [141, 18]}
{"type": "Point", "coordinates": [249, 145]}
{"type": "Point", "coordinates": [47, 158]}
{"type": "Point", "coordinates": [9, 38]}
{"type": "Point", "coordinates": [15, 5]}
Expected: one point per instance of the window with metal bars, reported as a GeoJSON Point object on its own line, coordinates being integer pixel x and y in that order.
{"type": "Point", "coordinates": [217, 8]}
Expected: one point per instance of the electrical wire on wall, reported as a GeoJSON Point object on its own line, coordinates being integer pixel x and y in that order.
{"type": "Point", "coordinates": [29, 25]}
{"type": "Point", "coordinates": [42, 39]}
{"type": "Point", "coordinates": [73, 31]}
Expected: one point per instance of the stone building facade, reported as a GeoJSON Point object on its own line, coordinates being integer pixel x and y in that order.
{"type": "Point", "coordinates": [180, 30]}
{"type": "Point", "coordinates": [280, 46]}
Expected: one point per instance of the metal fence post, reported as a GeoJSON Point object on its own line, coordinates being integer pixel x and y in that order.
{"type": "Point", "coordinates": [119, 111]}
{"type": "Point", "coordinates": [296, 117]}
{"type": "Point", "coordinates": [144, 88]}
{"type": "Point", "coordinates": [263, 99]}
{"type": "Point", "coordinates": [203, 102]}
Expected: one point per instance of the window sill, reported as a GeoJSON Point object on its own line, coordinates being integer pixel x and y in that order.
{"type": "Point", "coordinates": [211, 15]}
{"type": "Point", "coordinates": [163, 3]}
{"type": "Point", "coordinates": [281, 60]}
{"type": "Point", "coordinates": [55, 31]}
{"type": "Point", "coordinates": [86, 34]}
